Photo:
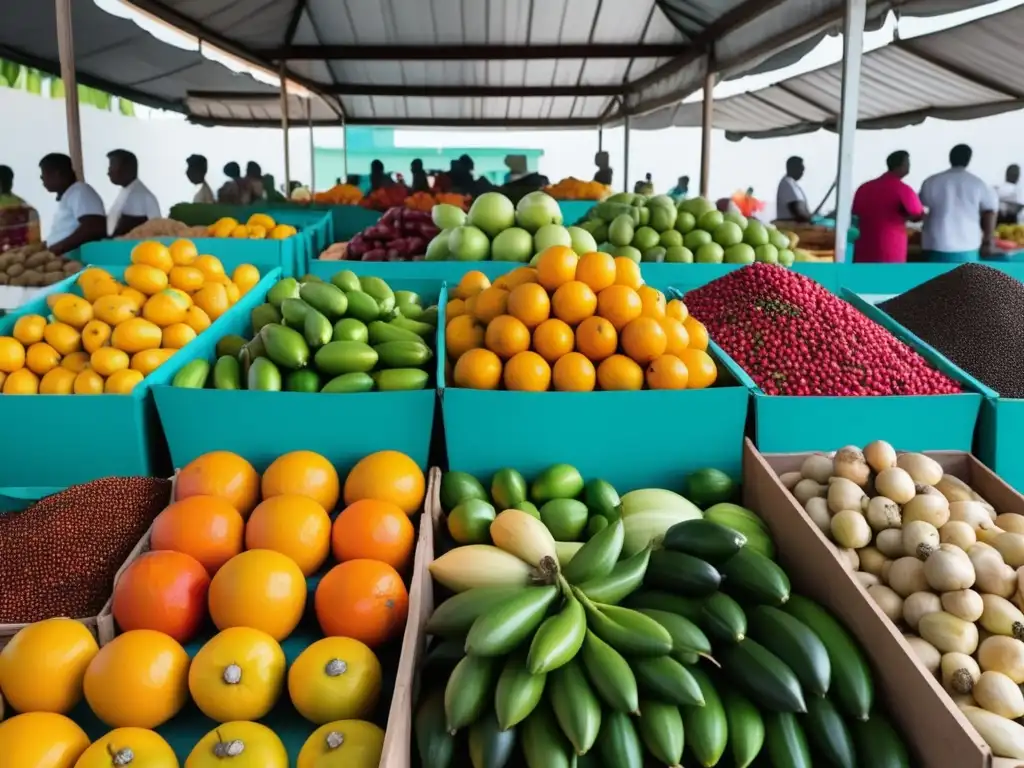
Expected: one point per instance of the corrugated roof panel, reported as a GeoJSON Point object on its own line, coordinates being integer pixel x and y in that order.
{"type": "Point", "coordinates": [254, 24]}
{"type": "Point", "coordinates": [604, 71]}
{"type": "Point", "coordinates": [616, 24]}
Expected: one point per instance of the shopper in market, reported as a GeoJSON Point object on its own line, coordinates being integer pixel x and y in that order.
{"type": "Point", "coordinates": [883, 206]}
{"type": "Point", "coordinates": [7, 197]}
{"type": "Point", "coordinates": [420, 182]}
{"type": "Point", "coordinates": [604, 171]}
{"type": "Point", "coordinates": [681, 189]}
{"type": "Point", "coordinates": [233, 191]}
{"type": "Point", "coordinates": [378, 177]}
{"type": "Point", "coordinates": [790, 200]}
{"type": "Point", "coordinates": [134, 204]}
{"type": "Point", "coordinates": [80, 216]}
{"type": "Point", "coordinates": [196, 168]}
{"type": "Point", "coordinates": [961, 218]}
{"type": "Point", "coordinates": [253, 181]}
{"type": "Point", "coordinates": [1010, 205]}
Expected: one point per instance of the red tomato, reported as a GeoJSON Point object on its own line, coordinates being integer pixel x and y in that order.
{"type": "Point", "coordinates": [162, 590]}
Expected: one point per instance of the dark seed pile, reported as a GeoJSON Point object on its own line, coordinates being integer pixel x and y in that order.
{"type": "Point", "coordinates": [58, 557]}
{"type": "Point", "coordinates": [974, 315]}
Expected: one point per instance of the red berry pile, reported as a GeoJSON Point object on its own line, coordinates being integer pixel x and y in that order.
{"type": "Point", "coordinates": [795, 338]}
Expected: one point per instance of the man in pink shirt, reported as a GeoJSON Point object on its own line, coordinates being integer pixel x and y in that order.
{"type": "Point", "coordinates": [883, 207]}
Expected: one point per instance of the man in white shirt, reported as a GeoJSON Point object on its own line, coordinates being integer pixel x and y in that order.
{"type": "Point", "coordinates": [1009, 197]}
{"type": "Point", "coordinates": [961, 215]}
{"type": "Point", "coordinates": [195, 169]}
{"type": "Point", "coordinates": [135, 204]}
{"type": "Point", "coordinates": [80, 217]}
{"type": "Point", "coordinates": [790, 200]}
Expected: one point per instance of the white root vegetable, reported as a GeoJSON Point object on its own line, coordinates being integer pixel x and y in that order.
{"type": "Point", "coordinates": [817, 510]}
{"type": "Point", "coordinates": [1001, 617]}
{"type": "Point", "coordinates": [883, 513]}
{"type": "Point", "coordinates": [906, 576]}
{"type": "Point", "coordinates": [880, 455]}
{"type": "Point", "coordinates": [1010, 521]}
{"type": "Point", "coordinates": [896, 484]}
{"type": "Point", "coordinates": [972, 513]}
{"type": "Point", "coordinates": [992, 575]}
{"type": "Point", "coordinates": [884, 575]}
{"type": "Point", "coordinates": [890, 603]}
{"type": "Point", "coordinates": [790, 479]}
{"type": "Point", "coordinates": [807, 489]}
{"type": "Point", "coordinates": [849, 463]}
{"type": "Point", "coordinates": [918, 605]}
{"type": "Point", "coordinates": [959, 672]}
{"type": "Point", "coordinates": [926, 653]}
{"type": "Point", "coordinates": [954, 489]}
{"type": "Point", "coordinates": [849, 558]}
{"type": "Point", "coordinates": [1011, 547]}
{"type": "Point", "coordinates": [964, 603]}
{"type": "Point", "coordinates": [1000, 653]}
{"type": "Point", "coordinates": [988, 535]}
{"type": "Point", "coordinates": [949, 569]}
{"type": "Point", "coordinates": [850, 529]}
{"type": "Point", "coordinates": [817, 467]}
{"type": "Point", "coordinates": [958, 533]}
{"type": "Point", "coordinates": [890, 542]}
{"type": "Point", "coordinates": [931, 508]}
{"type": "Point", "coordinates": [920, 539]}
{"type": "Point", "coordinates": [871, 560]}
{"type": "Point", "coordinates": [948, 633]}
{"type": "Point", "coordinates": [866, 579]}
{"type": "Point", "coordinates": [1004, 737]}
{"type": "Point", "coordinates": [845, 494]}
{"type": "Point", "coordinates": [923, 469]}
{"type": "Point", "coordinates": [998, 694]}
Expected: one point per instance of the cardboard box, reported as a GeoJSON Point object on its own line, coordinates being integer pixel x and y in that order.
{"type": "Point", "coordinates": [936, 731]}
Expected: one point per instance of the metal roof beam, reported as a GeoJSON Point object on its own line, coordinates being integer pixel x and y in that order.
{"type": "Point", "coordinates": [410, 122]}
{"type": "Point", "coordinates": [473, 91]}
{"type": "Point", "coordinates": [472, 52]}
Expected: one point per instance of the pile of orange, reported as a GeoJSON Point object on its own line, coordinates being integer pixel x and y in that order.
{"type": "Point", "coordinates": [115, 333]}
{"type": "Point", "coordinates": [238, 549]}
{"type": "Point", "coordinates": [260, 226]}
{"type": "Point", "coordinates": [573, 324]}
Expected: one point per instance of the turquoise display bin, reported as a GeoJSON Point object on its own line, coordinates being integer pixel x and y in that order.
{"type": "Point", "coordinates": [60, 440]}
{"type": "Point", "coordinates": [784, 424]}
{"type": "Point", "coordinates": [634, 439]}
{"type": "Point", "coordinates": [574, 210]}
{"type": "Point", "coordinates": [345, 220]}
{"type": "Point", "coordinates": [263, 425]}
{"type": "Point", "coordinates": [444, 271]}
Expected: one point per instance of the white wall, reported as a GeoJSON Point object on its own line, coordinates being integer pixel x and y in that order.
{"type": "Point", "coordinates": [34, 126]}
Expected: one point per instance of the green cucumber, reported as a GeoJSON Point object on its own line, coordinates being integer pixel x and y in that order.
{"type": "Point", "coordinates": [435, 745]}
{"type": "Point", "coordinates": [627, 630]}
{"type": "Point", "coordinates": [661, 729]}
{"type": "Point", "coordinates": [325, 298]}
{"type": "Point", "coordinates": [736, 511]}
{"type": "Point", "coordinates": [403, 354]}
{"type": "Point", "coordinates": [316, 329]}
{"type": "Point", "coordinates": [601, 498]}
{"type": "Point", "coordinates": [753, 530]}
{"type": "Point", "coordinates": [456, 615]}
{"type": "Point", "coordinates": [230, 345]}
{"type": "Point", "coordinates": [285, 346]}
{"type": "Point", "coordinates": [719, 615]}
{"type": "Point", "coordinates": [878, 744]}
{"type": "Point", "coordinates": [227, 373]}
{"type": "Point", "coordinates": [618, 743]}
{"type": "Point", "coordinates": [746, 726]}
{"type": "Point", "coordinates": [445, 654]}
{"type": "Point", "coordinates": [687, 637]}
{"type": "Point", "coordinates": [362, 307]}
{"type": "Point", "coordinates": [305, 380]}
{"type": "Point", "coordinates": [598, 556]}
{"type": "Point", "coordinates": [793, 642]}
{"type": "Point", "coordinates": [263, 314]}
{"type": "Point", "coordinates": [576, 706]}
{"type": "Point", "coordinates": [293, 311]}
{"type": "Point", "coordinates": [263, 376]}
{"type": "Point", "coordinates": [559, 638]}
{"type": "Point", "coordinates": [666, 679]}
{"type": "Point", "coordinates": [348, 383]}
{"type": "Point", "coordinates": [338, 357]}
{"type": "Point", "coordinates": [381, 332]}
{"type": "Point", "coordinates": [852, 684]}
{"type": "Point", "coordinates": [786, 742]}
{"type": "Point", "coordinates": [828, 733]}
{"type": "Point", "coordinates": [624, 579]}
{"type": "Point", "coordinates": [518, 692]}
{"type": "Point", "coordinates": [681, 573]}
{"type": "Point", "coordinates": [347, 280]}
{"type": "Point", "coordinates": [610, 674]}
{"type": "Point", "coordinates": [763, 676]}
{"type": "Point", "coordinates": [468, 691]}
{"type": "Point", "coordinates": [502, 629]}
{"type": "Point", "coordinates": [192, 375]}
{"type": "Point", "coordinates": [350, 329]}
{"type": "Point", "coordinates": [490, 746]}
{"type": "Point", "coordinates": [751, 575]}
{"type": "Point", "coordinates": [707, 730]}
{"type": "Point", "coordinates": [400, 379]}
{"type": "Point", "coordinates": [543, 743]}
{"type": "Point", "coordinates": [704, 539]}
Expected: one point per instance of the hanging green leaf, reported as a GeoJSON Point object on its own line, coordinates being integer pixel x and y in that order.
{"type": "Point", "coordinates": [127, 108]}
{"type": "Point", "coordinates": [56, 88]}
{"type": "Point", "coordinates": [102, 101]}
{"type": "Point", "coordinates": [34, 82]}
{"type": "Point", "coordinates": [10, 71]}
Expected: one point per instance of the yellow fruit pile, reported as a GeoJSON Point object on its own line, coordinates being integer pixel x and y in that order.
{"type": "Point", "coordinates": [114, 334]}
{"type": "Point", "coordinates": [260, 226]}
{"type": "Point", "coordinates": [573, 324]}
{"type": "Point", "coordinates": [572, 188]}
{"type": "Point", "coordinates": [1014, 233]}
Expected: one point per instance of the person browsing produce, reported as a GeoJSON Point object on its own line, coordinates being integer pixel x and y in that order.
{"type": "Point", "coordinates": [195, 169]}
{"type": "Point", "coordinates": [80, 216]}
{"type": "Point", "coordinates": [955, 200]}
{"type": "Point", "coordinates": [233, 191]}
{"type": "Point", "coordinates": [1010, 205]}
{"type": "Point", "coordinates": [135, 204]}
{"type": "Point", "coordinates": [790, 200]}
{"type": "Point", "coordinates": [883, 207]}
{"type": "Point", "coordinates": [7, 196]}
{"type": "Point", "coordinates": [604, 171]}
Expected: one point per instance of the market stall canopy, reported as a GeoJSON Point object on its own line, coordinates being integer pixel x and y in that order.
{"type": "Point", "coordinates": [514, 63]}
{"type": "Point", "coordinates": [115, 55]}
{"type": "Point", "coordinates": [253, 110]}
{"type": "Point", "coordinates": [970, 71]}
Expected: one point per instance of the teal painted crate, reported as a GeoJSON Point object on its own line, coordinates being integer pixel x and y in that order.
{"type": "Point", "coordinates": [443, 271]}
{"type": "Point", "coordinates": [911, 423]}
{"type": "Point", "coordinates": [61, 440]}
{"type": "Point", "coordinates": [889, 279]}
{"type": "Point", "coordinates": [575, 210]}
{"type": "Point", "coordinates": [1000, 439]}
{"type": "Point", "coordinates": [263, 425]}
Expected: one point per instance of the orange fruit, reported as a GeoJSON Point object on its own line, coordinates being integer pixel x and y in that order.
{"type": "Point", "coordinates": [136, 335]}
{"type": "Point", "coordinates": [387, 476]}
{"type": "Point", "coordinates": [643, 339]}
{"type": "Point", "coordinates": [197, 319]}
{"type": "Point", "coordinates": [676, 336]}
{"type": "Point", "coordinates": [596, 338]}
{"type": "Point", "coordinates": [454, 308]}
{"type": "Point", "coordinates": [619, 304]}
{"type": "Point", "coordinates": [145, 278]}
{"type": "Point", "coordinates": [42, 667]}
{"type": "Point", "coordinates": [95, 335]}
{"type": "Point", "coordinates": [596, 269]}
{"type": "Point", "coordinates": [574, 302]}
{"type": "Point", "coordinates": [108, 360]}
{"type": "Point", "coordinates": [666, 372]}
{"type": "Point", "coordinates": [140, 743]}
{"type": "Point", "coordinates": [59, 381]}
{"type": "Point", "coordinates": [245, 277]}
{"type": "Point", "coordinates": [122, 382]}
{"type": "Point", "coordinates": [527, 372]}
{"type": "Point", "coordinates": [478, 369]}
{"type": "Point", "coordinates": [304, 473]}
{"type": "Point", "coordinates": [529, 302]}
{"type": "Point", "coordinates": [177, 335]}
{"type": "Point", "coordinates": [462, 334]}
{"type": "Point", "coordinates": [517, 277]}
{"type": "Point", "coordinates": [296, 526]}
{"type": "Point", "coordinates": [212, 298]}
{"type": "Point", "coordinates": [701, 366]}
{"type": "Point", "coordinates": [258, 666]}
{"type": "Point", "coordinates": [677, 310]}
{"type": "Point", "coordinates": [41, 358]}
{"type": "Point", "coordinates": [507, 336]}
{"type": "Point", "coordinates": [206, 528]}
{"type": "Point", "coordinates": [21, 382]}
{"type": "Point", "coordinates": [627, 272]}
{"type": "Point", "coordinates": [618, 372]}
{"type": "Point", "coordinates": [471, 284]}
{"type": "Point", "coordinates": [364, 600]}
{"type": "Point", "coordinates": [136, 298]}
{"type": "Point", "coordinates": [153, 254]}
{"type": "Point", "coordinates": [552, 339]}
{"type": "Point", "coordinates": [162, 590]}
{"type": "Point", "coordinates": [103, 286]}
{"type": "Point", "coordinates": [148, 360]}
{"type": "Point", "coordinates": [88, 382]}
{"type": "Point", "coordinates": [471, 304]}
{"type": "Point", "coordinates": [490, 303]}
{"type": "Point", "coordinates": [261, 589]}
{"type": "Point", "coordinates": [223, 474]}
{"type": "Point", "coordinates": [698, 333]}
{"type": "Point", "coordinates": [556, 266]}
{"type": "Point", "coordinates": [334, 678]}
{"type": "Point", "coordinates": [653, 301]}
{"type": "Point", "coordinates": [42, 740]}
{"type": "Point", "coordinates": [183, 252]}
{"type": "Point", "coordinates": [73, 310]}
{"type": "Point", "coordinates": [573, 373]}
{"type": "Point", "coordinates": [233, 293]}
{"type": "Point", "coordinates": [187, 279]}
{"type": "Point", "coordinates": [28, 329]}
{"type": "Point", "coordinates": [60, 336]}
{"type": "Point", "coordinates": [76, 361]}
{"type": "Point", "coordinates": [376, 530]}
{"type": "Point", "coordinates": [210, 266]}
{"type": "Point", "coordinates": [116, 309]}
{"type": "Point", "coordinates": [12, 354]}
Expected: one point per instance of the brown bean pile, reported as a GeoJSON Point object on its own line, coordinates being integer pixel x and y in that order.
{"type": "Point", "coordinates": [58, 557]}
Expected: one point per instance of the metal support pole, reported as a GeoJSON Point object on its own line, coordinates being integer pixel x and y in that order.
{"type": "Point", "coordinates": [284, 128]}
{"type": "Point", "coordinates": [853, 45]}
{"type": "Point", "coordinates": [625, 162]}
{"type": "Point", "coordinates": [600, 139]}
{"type": "Point", "coordinates": [344, 149]}
{"type": "Point", "coordinates": [312, 148]}
{"type": "Point", "coordinates": [707, 122]}
{"type": "Point", "coordinates": [66, 53]}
